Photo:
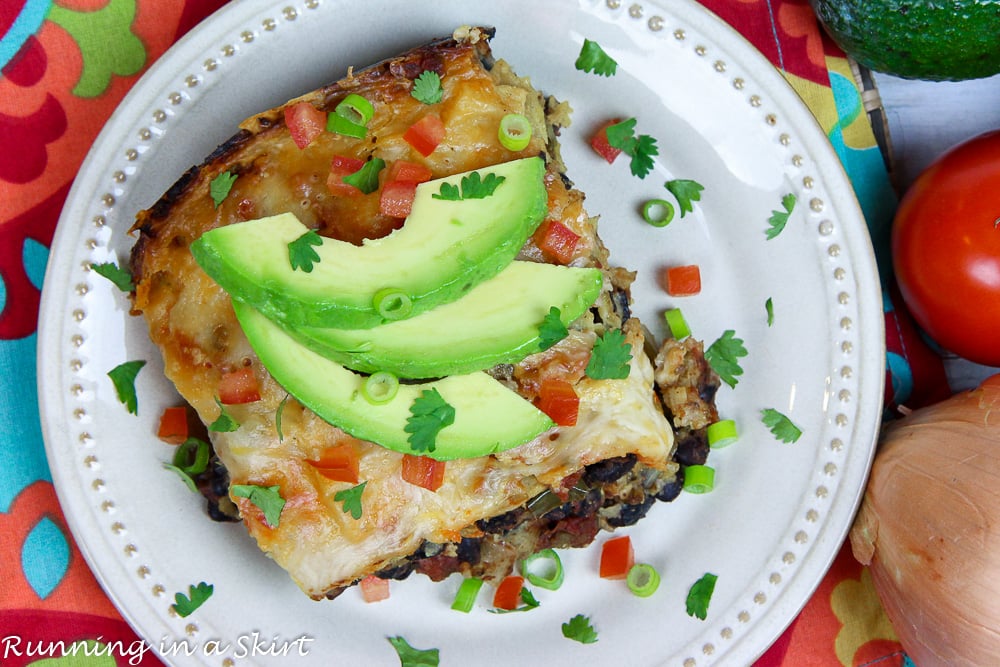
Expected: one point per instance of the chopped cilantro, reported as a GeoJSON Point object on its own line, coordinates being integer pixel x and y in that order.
{"type": "Point", "coordinates": [185, 605]}
{"type": "Point", "coordinates": [723, 356]}
{"type": "Point", "coordinates": [224, 423]}
{"type": "Point", "coordinates": [686, 191]}
{"type": "Point", "coordinates": [527, 598]}
{"type": "Point", "coordinates": [267, 498]}
{"type": "Point", "coordinates": [300, 251]}
{"type": "Point", "coordinates": [594, 59]}
{"type": "Point", "coordinates": [427, 87]}
{"type": "Point", "coordinates": [428, 415]}
{"type": "Point", "coordinates": [551, 330]}
{"type": "Point", "coordinates": [220, 186]}
{"type": "Point", "coordinates": [474, 186]}
{"type": "Point", "coordinates": [121, 278]}
{"type": "Point", "coordinates": [352, 499]}
{"type": "Point", "coordinates": [779, 219]}
{"type": "Point", "coordinates": [123, 377]}
{"type": "Point", "coordinates": [641, 149]}
{"type": "Point", "coordinates": [277, 417]}
{"type": "Point", "coordinates": [769, 309]}
{"type": "Point", "coordinates": [609, 360]}
{"type": "Point", "coordinates": [366, 178]}
{"type": "Point", "coordinates": [414, 657]}
{"type": "Point", "coordinates": [780, 425]}
{"type": "Point", "coordinates": [700, 594]}
{"type": "Point", "coordinates": [580, 629]}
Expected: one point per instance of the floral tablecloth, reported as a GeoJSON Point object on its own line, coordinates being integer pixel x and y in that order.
{"type": "Point", "coordinates": [65, 66]}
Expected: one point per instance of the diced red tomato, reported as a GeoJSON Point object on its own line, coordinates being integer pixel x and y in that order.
{"type": "Point", "coordinates": [617, 557]}
{"type": "Point", "coordinates": [240, 386]}
{"type": "Point", "coordinates": [341, 166]}
{"type": "Point", "coordinates": [374, 589]}
{"type": "Point", "coordinates": [425, 134]}
{"type": "Point", "coordinates": [408, 172]}
{"type": "Point", "coordinates": [338, 463]}
{"type": "Point", "coordinates": [423, 471]}
{"type": "Point", "coordinates": [559, 241]}
{"type": "Point", "coordinates": [305, 122]}
{"type": "Point", "coordinates": [508, 593]}
{"type": "Point", "coordinates": [559, 401]}
{"type": "Point", "coordinates": [396, 199]}
{"type": "Point", "coordinates": [173, 425]}
{"type": "Point", "coordinates": [683, 280]}
{"type": "Point", "coordinates": [599, 142]}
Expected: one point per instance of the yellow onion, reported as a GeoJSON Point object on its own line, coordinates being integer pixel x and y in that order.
{"type": "Point", "coordinates": [929, 528]}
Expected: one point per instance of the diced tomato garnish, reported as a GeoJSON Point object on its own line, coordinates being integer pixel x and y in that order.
{"type": "Point", "coordinates": [508, 593]}
{"type": "Point", "coordinates": [683, 280]}
{"type": "Point", "coordinates": [617, 557]}
{"type": "Point", "coordinates": [173, 425]}
{"type": "Point", "coordinates": [305, 122]}
{"type": "Point", "coordinates": [238, 387]}
{"type": "Point", "coordinates": [338, 463]}
{"type": "Point", "coordinates": [599, 142]}
{"type": "Point", "coordinates": [341, 166]}
{"type": "Point", "coordinates": [559, 241]}
{"type": "Point", "coordinates": [408, 172]}
{"type": "Point", "coordinates": [425, 134]}
{"type": "Point", "coordinates": [374, 589]}
{"type": "Point", "coordinates": [396, 199]}
{"type": "Point", "coordinates": [559, 401]}
{"type": "Point", "coordinates": [423, 471]}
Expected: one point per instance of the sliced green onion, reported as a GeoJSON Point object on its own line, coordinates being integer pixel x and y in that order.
{"type": "Point", "coordinates": [678, 325]}
{"type": "Point", "coordinates": [466, 596]}
{"type": "Point", "coordinates": [191, 456]}
{"type": "Point", "coordinates": [699, 479]}
{"type": "Point", "coordinates": [662, 207]}
{"type": "Point", "coordinates": [515, 132]}
{"type": "Point", "coordinates": [186, 478]}
{"type": "Point", "coordinates": [643, 580]}
{"type": "Point", "coordinates": [356, 109]}
{"type": "Point", "coordinates": [380, 387]}
{"type": "Point", "coordinates": [339, 125]}
{"type": "Point", "coordinates": [548, 570]}
{"type": "Point", "coordinates": [721, 434]}
{"type": "Point", "coordinates": [392, 304]}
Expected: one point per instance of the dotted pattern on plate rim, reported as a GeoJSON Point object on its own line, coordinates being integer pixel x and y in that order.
{"type": "Point", "coordinates": [839, 398]}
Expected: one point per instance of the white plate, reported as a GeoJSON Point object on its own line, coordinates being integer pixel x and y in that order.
{"type": "Point", "coordinates": [722, 116]}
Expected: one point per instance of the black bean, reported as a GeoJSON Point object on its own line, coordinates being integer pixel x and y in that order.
{"type": "Point", "coordinates": [692, 447]}
{"type": "Point", "coordinates": [609, 470]}
{"type": "Point", "coordinates": [468, 550]}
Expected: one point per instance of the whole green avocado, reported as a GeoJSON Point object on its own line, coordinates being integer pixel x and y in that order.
{"type": "Point", "coordinates": [939, 40]}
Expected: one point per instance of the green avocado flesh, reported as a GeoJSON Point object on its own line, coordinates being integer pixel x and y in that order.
{"type": "Point", "coordinates": [916, 39]}
{"type": "Point", "coordinates": [494, 323]}
{"type": "Point", "coordinates": [443, 249]}
{"type": "Point", "coordinates": [489, 417]}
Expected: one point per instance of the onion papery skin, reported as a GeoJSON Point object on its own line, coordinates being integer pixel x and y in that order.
{"type": "Point", "coordinates": [929, 529]}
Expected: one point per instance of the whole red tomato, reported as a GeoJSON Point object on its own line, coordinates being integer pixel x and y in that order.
{"type": "Point", "coordinates": [946, 249]}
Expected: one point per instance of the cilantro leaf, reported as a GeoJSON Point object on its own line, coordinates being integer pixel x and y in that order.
{"type": "Point", "coordinates": [123, 377]}
{"type": "Point", "coordinates": [267, 498]}
{"type": "Point", "coordinates": [700, 595]}
{"type": "Point", "coordinates": [428, 415]}
{"type": "Point", "coordinates": [121, 278]}
{"type": "Point", "coordinates": [185, 605]}
{"type": "Point", "coordinates": [620, 134]}
{"type": "Point", "coordinates": [220, 186]}
{"type": "Point", "coordinates": [580, 629]}
{"type": "Point", "coordinates": [414, 657]}
{"type": "Point", "coordinates": [448, 192]}
{"type": "Point", "coordinates": [779, 219]}
{"type": "Point", "coordinates": [427, 87]}
{"type": "Point", "coordinates": [609, 360]}
{"type": "Point", "coordinates": [686, 191]}
{"type": "Point", "coordinates": [723, 356]}
{"type": "Point", "coordinates": [780, 425]}
{"type": "Point", "coordinates": [551, 330]}
{"type": "Point", "coordinates": [352, 499]}
{"type": "Point", "coordinates": [224, 423]}
{"type": "Point", "coordinates": [527, 598]}
{"type": "Point", "coordinates": [641, 149]}
{"type": "Point", "coordinates": [594, 59]}
{"type": "Point", "coordinates": [474, 186]}
{"type": "Point", "coordinates": [769, 309]}
{"type": "Point", "coordinates": [300, 252]}
{"type": "Point", "coordinates": [366, 178]}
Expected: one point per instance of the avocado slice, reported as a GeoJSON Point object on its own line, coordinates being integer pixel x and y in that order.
{"type": "Point", "coordinates": [444, 248]}
{"type": "Point", "coordinates": [489, 417]}
{"type": "Point", "coordinates": [496, 322]}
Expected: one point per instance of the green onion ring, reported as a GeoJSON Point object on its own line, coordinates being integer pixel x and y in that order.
{"type": "Point", "coordinates": [699, 479]}
{"type": "Point", "coordinates": [356, 109]}
{"type": "Point", "coordinates": [392, 303]}
{"type": "Point", "coordinates": [678, 325]}
{"type": "Point", "coordinates": [515, 132]}
{"type": "Point", "coordinates": [643, 580]}
{"type": "Point", "coordinates": [466, 596]}
{"type": "Point", "coordinates": [552, 578]}
{"type": "Point", "coordinates": [722, 433]}
{"type": "Point", "coordinates": [339, 125]}
{"type": "Point", "coordinates": [380, 387]}
{"type": "Point", "coordinates": [667, 212]}
{"type": "Point", "coordinates": [191, 456]}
